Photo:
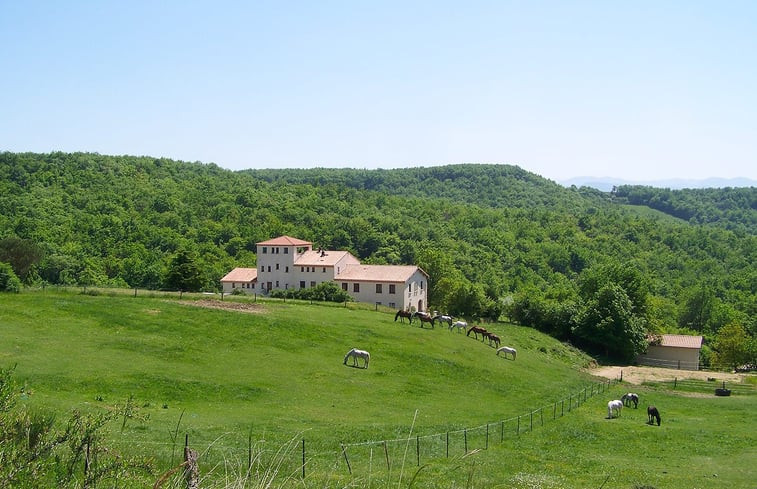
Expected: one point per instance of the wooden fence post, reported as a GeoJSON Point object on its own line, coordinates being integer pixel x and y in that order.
{"type": "Point", "coordinates": [487, 436]}
{"type": "Point", "coordinates": [386, 455]}
{"type": "Point", "coordinates": [303, 458]}
{"type": "Point", "coordinates": [418, 450]}
{"type": "Point", "coordinates": [191, 470]}
{"type": "Point", "coordinates": [448, 444]}
{"type": "Point", "coordinates": [465, 437]}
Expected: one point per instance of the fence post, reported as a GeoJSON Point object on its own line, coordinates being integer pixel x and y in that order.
{"type": "Point", "coordinates": [517, 430]}
{"type": "Point", "coordinates": [386, 455]}
{"type": "Point", "coordinates": [532, 421]}
{"type": "Point", "coordinates": [418, 449]}
{"type": "Point", "coordinates": [344, 452]}
{"type": "Point", "coordinates": [570, 403]}
{"type": "Point", "coordinates": [303, 458]}
{"type": "Point", "coordinates": [191, 470]}
{"type": "Point", "coordinates": [448, 444]}
{"type": "Point", "coordinates": [554, 411]}
{"type": "Point", "coordinates": [541, 415]}
{"type": "Point", "coordinates": [562, 408]}
{"type": "Point", "coordinates": [487, 436]}
{"type": "Point", "coordinates": [502, 431]}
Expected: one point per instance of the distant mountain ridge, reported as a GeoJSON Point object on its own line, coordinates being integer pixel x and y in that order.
{"type": "Point", "coordinates": [606, 184]}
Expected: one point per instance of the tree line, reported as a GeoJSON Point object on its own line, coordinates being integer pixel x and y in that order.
{"type": "Point", "coordinates": [495, 239]}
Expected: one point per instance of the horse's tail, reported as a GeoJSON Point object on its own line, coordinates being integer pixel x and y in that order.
{"type": "Point", "coordinates": [396, 316]}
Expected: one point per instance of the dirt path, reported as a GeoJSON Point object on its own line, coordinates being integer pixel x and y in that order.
{"type": "Point", "coordinates": [637, 375]}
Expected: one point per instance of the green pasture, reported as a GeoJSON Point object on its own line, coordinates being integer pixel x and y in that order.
{"type": "Point", "coordinates": [452, 413]}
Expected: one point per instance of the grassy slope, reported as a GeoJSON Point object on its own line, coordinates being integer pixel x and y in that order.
{"type": "Point", "coordinates": [279, 373]}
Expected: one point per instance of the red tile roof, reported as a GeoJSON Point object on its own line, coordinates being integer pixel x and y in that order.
{"type": "Point", "coordinates": [285, 241]}
{"type": "Point", "coordinates": [681, 341]}
{"type": "Point", "coordinates": [328, 258]}
{"type": "Point", "coordinates": [377, 273]}
{"type": "Point", "coordinates": [241, 275]}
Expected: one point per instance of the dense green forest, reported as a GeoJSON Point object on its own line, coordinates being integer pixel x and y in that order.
{"type": "Point", "coordinates": [494, 239]}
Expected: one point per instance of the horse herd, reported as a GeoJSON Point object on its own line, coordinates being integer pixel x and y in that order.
{"type": "Point", "coordinates": [460, 326]}
{"type": "Point", "coordinates": [614, 407]}
{"type": "Point", "coordinates": [356, 355]}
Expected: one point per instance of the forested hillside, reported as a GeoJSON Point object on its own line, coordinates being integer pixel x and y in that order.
{"type": "Point", "coordinates": [730, 208]}
{"type": "Point", "coordinates": [493, 238]}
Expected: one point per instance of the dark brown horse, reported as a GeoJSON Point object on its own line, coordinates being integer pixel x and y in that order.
{"type": "Point", "coordinates": [493, 339]}
{"type": "Point", "coordinates": [476, 330]}
{"type": "Point", "coordinates": [424, 318]}
{"type": "Point", "coordinates": [403, 314]}
{"type": "Point", "coordinates": [653, 414]}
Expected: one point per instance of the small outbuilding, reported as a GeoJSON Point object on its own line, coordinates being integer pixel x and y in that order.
{"type": "Point", "coordinates": [243, 279]}
{"type": "Point", "coordinates": [672, 351]}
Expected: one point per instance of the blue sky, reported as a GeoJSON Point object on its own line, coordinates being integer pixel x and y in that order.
{"type": "Point", "coordinates": [635, 90]}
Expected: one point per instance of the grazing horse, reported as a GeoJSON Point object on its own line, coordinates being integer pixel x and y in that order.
{"type": "Point", "coordinates": [355, 354]}
{"type": "Point", "coordinates": [424, 318]}
{"type": "Point", "coordinates": [652, 414]}
{"type": "Point", "coordinates": [614, 406]}
{"type": "Point", "coordinates": [476, 330]}
{"type": "Point", "coordinates": [506, 350]}
{"type": "Point", "coordinates": [494, 339]}
{"type": "Point", "coordinates": [403, 314]}
{"type": "Point", "coordinates": [460, 325]}
{"type": "Point", "coordinates": [630, 398]}
{"type": "Point", "coordinates": [444, 319]}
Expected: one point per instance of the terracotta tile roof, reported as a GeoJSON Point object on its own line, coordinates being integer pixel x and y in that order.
{"type": "Point", "coordinates": [241, 275]}
{"type": "Point", "coordinates": [285, 241]}
{"type": "Point", "coordinates": [329, 258]}
{"type": "Point", "coordinates": [681, 341]}
{"type": "Point", "coordinates": [377, 273]}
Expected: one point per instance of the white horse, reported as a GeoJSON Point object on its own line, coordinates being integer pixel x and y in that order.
{"type": "Point", "coordinates": [460, 325]}
{"type": "Point", "coordinates": [614, 406]}
{"type": "Point", "coordinates": [630, 398]}
{"type": "Point", "coordinates": [355, 354]}
{"type": "Point", "coordinates": [506, 350]}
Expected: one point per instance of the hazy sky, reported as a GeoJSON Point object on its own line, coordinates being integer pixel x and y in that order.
{"type": "Point", "coordinates": [637, 90]}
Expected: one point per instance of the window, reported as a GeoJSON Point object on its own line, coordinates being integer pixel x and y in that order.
{"type": "Point", "coordinates": [392, 305]}
{"type": "Point", "coordinates": [378, 288]}
{"type": "Point", "coordinates": [265, 250]}
{"type": "Point", "coordinates": [312, 284]}
{"type": "Point", "coordinates": [269, 268]}
{"type": "Point", "coordinates": [302, 269]}
{"type": "Point", "coordinates": [421, 284]}
{"type": "Point", "coordinates": [392, 289]}
{"type": "Point", "coordinates": [277, 266]}
{"type": "Point", "coordinates": [277, 284]}
{"type": "Point", "coordinates": [356, 287]}
{"type": "Point", "coordinates": [344, 285]}
{"type": "Point", "coordinates": [286, 269]}
{"type": "Point", "coordinates": [302, 284]}
{"type": "Point", "coordinates": [233, 285]}
{"type": "Point", "coordinates": [286, 251]}
{"type": "Point", "coordinates": [324, 269]}
{"type": "Point", "coordinates": [262, 268]}
{"type": "Point", "coordinates": [410, 287]}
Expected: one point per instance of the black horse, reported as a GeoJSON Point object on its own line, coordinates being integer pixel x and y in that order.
{"type": "Point", "coordinates": [653, 414]}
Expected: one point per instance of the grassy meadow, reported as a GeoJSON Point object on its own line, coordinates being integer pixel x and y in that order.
{"type": "Point", "coordinates": [264, 379]}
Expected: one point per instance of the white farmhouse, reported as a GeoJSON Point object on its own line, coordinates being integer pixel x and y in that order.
{"type": "Point", "coordinates": [286, 262]}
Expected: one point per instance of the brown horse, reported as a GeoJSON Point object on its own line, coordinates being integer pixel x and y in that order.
{"type": "Point", "coordinates": [424, 318]}
{"type": "Point", "coordinates": [476, 330]}
{"type": "Point", "coordinates": [493, 339]}
{"type": "Point", "coordinates": [403, 314]}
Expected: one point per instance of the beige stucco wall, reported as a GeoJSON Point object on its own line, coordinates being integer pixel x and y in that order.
{"type": "Point", "coordinates": [672, 357]}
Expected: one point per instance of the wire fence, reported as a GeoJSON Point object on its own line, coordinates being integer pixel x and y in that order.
{"type": "Point", "coordinates": [299, 457]}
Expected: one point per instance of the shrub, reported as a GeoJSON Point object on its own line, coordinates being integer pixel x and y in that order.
{"type": "Point", "coordinates": [9, 282]}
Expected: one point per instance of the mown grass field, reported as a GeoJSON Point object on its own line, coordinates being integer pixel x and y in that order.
{"type": "Point", "coordinates": [276, 375]}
